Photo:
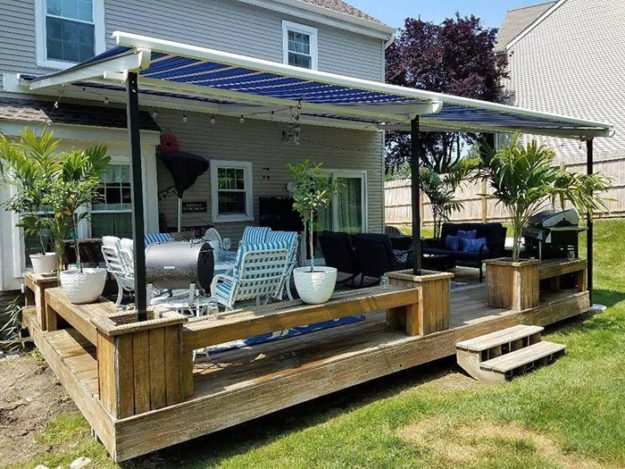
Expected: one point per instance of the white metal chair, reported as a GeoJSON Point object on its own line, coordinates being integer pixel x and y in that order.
{"type": "Point", "coordinates": [259, 273]}
{"type": "Point", "coordinates": [291, 238]}
{"type": "Point", "coordinates": [117, 266]}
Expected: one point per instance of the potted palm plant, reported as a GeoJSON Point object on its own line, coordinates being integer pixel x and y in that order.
{"type": "Point", "coordinates": [62, 183]}
{"type": "Point", "coordinates": [524, 179]}
{"type": "Point", "coordinates": [312, 191]}
{"type": "Point", "coordinates": [24, 166]}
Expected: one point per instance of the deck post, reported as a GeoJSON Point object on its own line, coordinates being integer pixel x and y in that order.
{"type": "Point", "coordinates": [138, 228]}
{"type": "Point", "coordinates": [430, 311]}
{"type": "Point", "coordinates": [415, 154]}
{"type": "Point", "coordinates": [589, 220]}
{"type": "Point", "coordinates": [140, 364]}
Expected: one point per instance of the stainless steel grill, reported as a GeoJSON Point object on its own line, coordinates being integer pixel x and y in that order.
{"type": "Point", "coordinates": [179, 264]}
{"type": "Point", "coordinates": [553, 234]}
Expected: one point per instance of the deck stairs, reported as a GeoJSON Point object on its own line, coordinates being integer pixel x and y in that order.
{"type": "Point", "coordinates": [503, 354]}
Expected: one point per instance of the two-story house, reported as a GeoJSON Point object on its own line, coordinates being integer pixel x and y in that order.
{"type": "Point", "coordinates": [38, 37]}
{"type": "Point", "coordinates": [568, 57]}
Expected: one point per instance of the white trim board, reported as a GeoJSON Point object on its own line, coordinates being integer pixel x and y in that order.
{"type": "Point", "coordinates": [313, 36]}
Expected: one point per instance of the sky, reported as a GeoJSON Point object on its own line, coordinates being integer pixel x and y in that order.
{"type": "Point", "coordinates": [393, 12]}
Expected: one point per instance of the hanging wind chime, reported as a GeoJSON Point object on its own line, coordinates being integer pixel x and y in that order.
{"type": "Point", "coordinates": [293, 131]}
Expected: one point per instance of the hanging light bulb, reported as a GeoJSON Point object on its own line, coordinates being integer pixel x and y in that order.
{"type": "Point", "coordinates": [56, 104]}
{"type": "Point", "coordinates": [212, 121]}
{"type": "Point", "coordinates": [155, 114]}
{"type": "Point", "coordinates": [184, 118]}
{"type": "Point", "coordinates": [106, 100]}
{"type": "Point", "coordinates": [242, 120]}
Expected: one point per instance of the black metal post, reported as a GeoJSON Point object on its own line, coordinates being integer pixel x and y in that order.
{"type": "Point", "coordinates": [138, 229]}
{"type": "Point", "coordinates": [415, 153]}
{"type": "Point", "coordinates": [589, 221]}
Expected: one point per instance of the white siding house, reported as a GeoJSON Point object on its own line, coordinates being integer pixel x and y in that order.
{"type": "Point", "coordinates": [568, 57]}
{"type": "Point", "coordinates": [330, 36]}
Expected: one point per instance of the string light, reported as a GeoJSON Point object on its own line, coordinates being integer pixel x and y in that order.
{"type": "Point", "coordinates": [242, 120]}
{"type": "Point", "coordinates": [56, 103]}
{"type": "Point", "coordinates": [184, 118]}
{"type": "Point", "coordinates": [155, 114]}
{"type": "Point", "coordinates": [212, 121]}
{"type": "Point", "coordinates": [106, 100]}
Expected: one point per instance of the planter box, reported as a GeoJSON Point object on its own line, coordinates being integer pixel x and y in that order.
{"type": "Point", "coordinates": [35, 286]}
{"type": "Point", "coordinates": [430, 312]}
{"type": "Point", "coordinates": [141, 365]}
{"type": "Point", "coordinates": [512, 285]}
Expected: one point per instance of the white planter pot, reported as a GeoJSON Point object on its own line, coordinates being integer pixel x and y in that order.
{"type": "Point", "coordinates": [83, 287]}
{"type": "Point", "coordinates": [315, 287]}
{"type": "Point", "coordinates": [43, 263]}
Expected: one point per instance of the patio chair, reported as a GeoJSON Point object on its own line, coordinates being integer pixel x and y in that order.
{"type": "Point", "coordinates": [117, 263]}
{"type": "Point", "coordinates": [259, 273]}
{"type": "Point", "coordinates": [339, 253]}
{"type": "Point", "coordinates": [291, 238]}
{"type": "Point", "coordinates": [151, 238]}
{"type": "Point", "coordinates": [255, 234]}
{"type": "Point", "coordinates": [376, 255]}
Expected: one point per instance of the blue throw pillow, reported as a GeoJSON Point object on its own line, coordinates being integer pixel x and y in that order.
{"type": "Point", "coordinates": [473, 245]}
{"type": "Point", "coordinates": [467, 234]}
{"type": "Point", "coordinates": [452, 243]}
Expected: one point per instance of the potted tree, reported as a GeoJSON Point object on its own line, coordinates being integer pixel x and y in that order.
{"type": "Point", "coordinates": [24, 166]}
{"type": "Point", "coordinates": [312, 191]}
{"type": "Point", "coordinates": [524, 179]}
{"type": "Point", "coordinates": [61, 183]}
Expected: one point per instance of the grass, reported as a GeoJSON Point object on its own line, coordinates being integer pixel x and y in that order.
{"type": "Point", "coordinates": [571, 414]}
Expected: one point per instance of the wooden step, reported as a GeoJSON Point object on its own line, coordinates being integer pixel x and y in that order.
{"type": "Point", "coordinates": [519, 359]}
{"type": "Point", "coordinates": [494, 339]}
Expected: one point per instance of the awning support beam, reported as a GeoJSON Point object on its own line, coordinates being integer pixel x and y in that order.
{"type": "Point", "coordinates": [415, 155]}
{"type": "Point", "coordinates": [138, 227]}
{"type": "Point", "coordinates": [589, 220]}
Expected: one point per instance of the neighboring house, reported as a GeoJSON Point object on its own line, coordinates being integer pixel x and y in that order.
{"type": "Point", "coordinates": [40, 36]}
{"type": "Point", "coordinates": [568, 57]}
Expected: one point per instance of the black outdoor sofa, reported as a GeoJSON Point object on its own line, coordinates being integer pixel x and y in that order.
{"type": "Point", "coordinates": [495, 234]}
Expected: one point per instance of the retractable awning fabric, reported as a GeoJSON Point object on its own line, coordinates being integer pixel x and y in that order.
{"type": "Point", "coordinates": [244, 85]}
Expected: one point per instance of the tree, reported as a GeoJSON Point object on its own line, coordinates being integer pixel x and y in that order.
{"type": "Point", "coordinates": [455, 57]}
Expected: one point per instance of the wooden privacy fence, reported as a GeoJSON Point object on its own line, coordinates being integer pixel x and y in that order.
{"type": "Point", "coordinates": [480, 206]}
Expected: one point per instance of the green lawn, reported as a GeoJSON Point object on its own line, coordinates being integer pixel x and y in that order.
{"type": "Point", "coordinates": [570, 414]}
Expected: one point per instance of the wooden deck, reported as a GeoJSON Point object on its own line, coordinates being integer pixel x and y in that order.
{"type": "Point", "coordinates": [237, 386]}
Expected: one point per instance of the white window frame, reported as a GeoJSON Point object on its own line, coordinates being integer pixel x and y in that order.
{"type": "Point", "coordinates": [41, 37]}
{"type": "Point", "coordinates": [215, 165]}
{"type": "Point", "coordinates": [300, 28]}
{"type": "Point", "coordinates": [355, 174]}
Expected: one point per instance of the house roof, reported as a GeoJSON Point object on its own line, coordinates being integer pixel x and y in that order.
{"type": "Point", "coordinates": [342, 7]}
{"type": "Point", "coordinates": [516, 21]}
{"type": "Point", "coordinates": [44, 112]}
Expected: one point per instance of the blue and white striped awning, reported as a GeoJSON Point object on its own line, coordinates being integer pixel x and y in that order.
{"type": "Point", "coordinates": [236, 84]}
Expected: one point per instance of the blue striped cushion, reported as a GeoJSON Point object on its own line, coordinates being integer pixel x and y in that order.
{"type": "Point", "coordinates": [224, 288]}
{"type": "Point", "coordinates": [255, 234]}
{"type": "Point", "coordinates": [151, 238]}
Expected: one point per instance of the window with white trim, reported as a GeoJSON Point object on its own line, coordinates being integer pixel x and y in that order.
{"type": "Point", "coordinates": [231, 191]}
{"type": "Point", "coordinates": [111, 211]}
{"type": "Point", "coordinates": [299, 43]}
{"type": "Point", "coordinates": [68, 31]}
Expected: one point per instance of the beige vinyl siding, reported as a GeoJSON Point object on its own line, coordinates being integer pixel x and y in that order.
{"type": "Point", "coordinates": [573, 63]}
{"type": "Point", "coordinates": [226, 25]}
{"type": "Point", "coordinates": [261, 143]}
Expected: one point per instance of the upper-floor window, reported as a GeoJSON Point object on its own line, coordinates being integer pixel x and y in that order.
{"type": "Point", "coordinates": [68, 31]}
{"type": "Point", "coordinates": [299, 44]}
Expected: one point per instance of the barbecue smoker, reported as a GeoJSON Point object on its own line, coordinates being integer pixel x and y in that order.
{"type": "Point", "coordinates": [553, 234]}
{"type": "Point", "coordinates": [177, 265]}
